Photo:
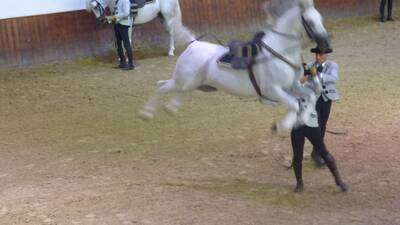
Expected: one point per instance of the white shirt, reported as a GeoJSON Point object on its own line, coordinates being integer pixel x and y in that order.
{"type": "Point", "coordinates": [123, 12]}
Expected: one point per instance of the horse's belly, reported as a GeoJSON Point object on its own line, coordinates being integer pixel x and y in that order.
{"type": "Point", "coordinates": [146, 14]}
{"type": "Point", "coordinates": [235, 82]}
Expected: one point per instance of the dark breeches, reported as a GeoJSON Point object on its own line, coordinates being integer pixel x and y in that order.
{"type": "Point", "coordinates": [313, 134]}
{"type": "Point", "coordinates": [382, 7]}
{"type": "Point", "coordinates": [323, 109]}
{"type": "Point", "coordinates": [122, 36]}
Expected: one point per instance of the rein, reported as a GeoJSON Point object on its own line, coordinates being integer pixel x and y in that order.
{"type": "Point", "coordinates": [102, 11]}
{"type": "Point", "coordinates": [279, 56]}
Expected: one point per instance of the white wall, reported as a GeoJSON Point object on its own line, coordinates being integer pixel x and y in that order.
{"type": "Point", "coordinates": [19, 8]}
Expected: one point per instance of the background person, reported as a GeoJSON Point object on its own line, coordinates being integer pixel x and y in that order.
{"type": "Point", "coordinates": [122, 21]}
{"type": "Point", "coordinates": [389, 9]}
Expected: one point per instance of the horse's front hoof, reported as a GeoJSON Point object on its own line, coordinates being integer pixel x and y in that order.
{"type": "Point", "coordinates": [171, 54]}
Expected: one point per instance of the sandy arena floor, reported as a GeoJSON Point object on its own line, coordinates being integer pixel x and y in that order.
{"type": "Point", "coordinates": [72, 150]}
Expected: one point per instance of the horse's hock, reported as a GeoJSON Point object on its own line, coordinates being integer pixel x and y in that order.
{"type": "Point", "coordinates": [52, 37]}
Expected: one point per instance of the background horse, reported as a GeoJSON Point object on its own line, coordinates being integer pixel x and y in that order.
{"type": "Point", "coordinates": [168, 10]}
{"type": "Point", "coordinates": [276, 73]}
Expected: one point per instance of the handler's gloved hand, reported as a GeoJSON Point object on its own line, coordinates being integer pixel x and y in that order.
{"type": "Point", "coordinates": [313, 71]}
{"type": "Point", "coordinates": [104, 20]}
{"type": "Point", "coordinates": [111, 19]}
{"type": "Point", "coordinates": [307, 71]}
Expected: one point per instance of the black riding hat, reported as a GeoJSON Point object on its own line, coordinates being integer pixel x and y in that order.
{"type": "Point", "coordinates": [321, 50]}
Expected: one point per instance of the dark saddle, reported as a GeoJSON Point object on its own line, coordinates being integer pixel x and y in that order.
{"type": "Point", "coordinates": [241, 54]}
{"type": "Point", "coordinates": [137, 4]}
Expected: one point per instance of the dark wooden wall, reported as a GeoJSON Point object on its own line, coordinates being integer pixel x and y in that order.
{"type": "Point", "coordinates": [44, 38]}
{"type": "Point", "coordinates": [35, 39]}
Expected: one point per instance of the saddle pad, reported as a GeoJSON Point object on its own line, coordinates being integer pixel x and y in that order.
{"type": "Point", "coordinates": [248, 51]}
{"type": "Point", "coordinates": [225, 60]}
{"type": "Point", "coordinates": [140, 3]}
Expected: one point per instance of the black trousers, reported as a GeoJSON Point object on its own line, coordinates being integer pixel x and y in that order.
{"type": "Point", "coordinates": [313, 134]}
{"type": "Point", "coordinates": [122, 36]}
{"type": "Point", "coordinates": [382, 8]}
{"type": "Point", "coordinates": [323, 109]}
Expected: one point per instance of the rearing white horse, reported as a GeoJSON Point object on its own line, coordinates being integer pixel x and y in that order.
{"type": "Point", "coordinates": [277, 68]}
{"type": "Point", "coordinates": [168, 10]}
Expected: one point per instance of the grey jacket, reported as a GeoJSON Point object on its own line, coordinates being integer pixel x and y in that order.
{"type": "Point", "coordinates": [123, 12]}
{"type": "Point", "coordinates": [313, 120]}
{"type": "Point", "coordinates": [328, 77]}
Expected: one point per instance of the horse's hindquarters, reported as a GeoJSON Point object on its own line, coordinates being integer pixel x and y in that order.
{"type": "Point", "coordinates": [198, 66]}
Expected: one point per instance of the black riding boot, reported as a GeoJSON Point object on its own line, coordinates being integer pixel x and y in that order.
{"type": "Point", "coordinates": [330, 163]}
{"type": "Point", "coordinates": [122, 59]}
{"type": "Point", "coordinates": [130, 66]}
{"type": "Point", "coordinates": [129, 53]}
{"type": "Point", "coordinates": [297, 167]}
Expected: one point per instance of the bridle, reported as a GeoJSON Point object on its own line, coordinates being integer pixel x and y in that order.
{"type": "Point", "coordinates": [307, 27]}
{"type": "Point", "coordinates": [100, 7]}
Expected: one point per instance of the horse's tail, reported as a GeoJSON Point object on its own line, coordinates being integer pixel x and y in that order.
{"type": "Point", "coordinates": [181, 33]}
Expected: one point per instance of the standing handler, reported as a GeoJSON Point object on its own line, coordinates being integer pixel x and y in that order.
{"type": "Point", "coordinates": [389, 9]}
{"type": "Point", "coordinates": [313, 133]}
{"type": "Point", "coordinates": [328, 73]}
{"type": "Point", "coordinates": [122, 20]}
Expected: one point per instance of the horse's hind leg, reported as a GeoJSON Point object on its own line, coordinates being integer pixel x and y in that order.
{"type": "Point", "coordinates": [152, 105]}
{"type": "Point", "coordinates": [174, 104]}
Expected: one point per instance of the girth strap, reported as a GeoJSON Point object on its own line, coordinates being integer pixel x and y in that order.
{"type": "Point", "coordinates": [254, 81]}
